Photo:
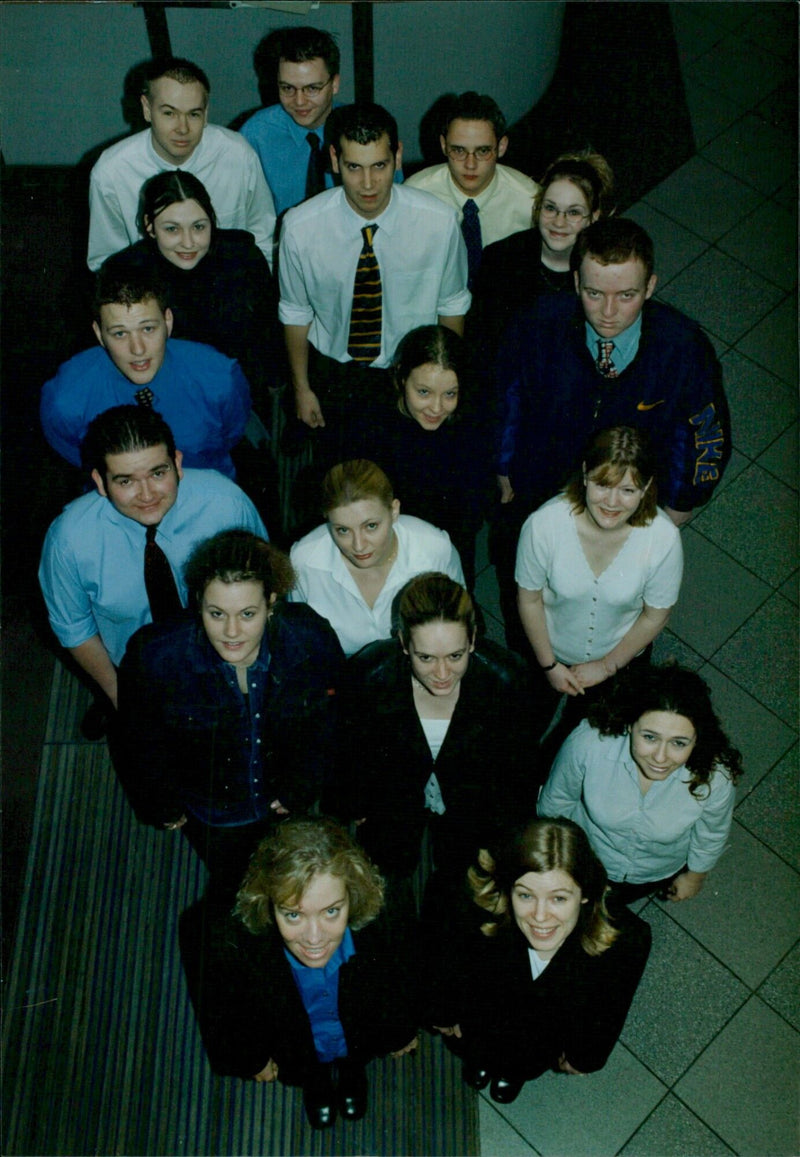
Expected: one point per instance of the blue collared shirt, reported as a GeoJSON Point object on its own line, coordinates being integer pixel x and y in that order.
{"type": "Point", "coordinates": [92, 567]}
{"type": "Point", "coordinates": [319, 991]}
{"type": "Point", "coordinates": [626, 344]}
{"type": "Point", "coordinates": [253, 804]}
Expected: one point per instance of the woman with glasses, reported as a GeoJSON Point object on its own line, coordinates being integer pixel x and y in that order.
{"type": "Point", "coordinates": [576, 189]}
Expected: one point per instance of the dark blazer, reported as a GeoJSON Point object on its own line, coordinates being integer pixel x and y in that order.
{"type": "Point", "coordinates": [185, 733]}
{"type": "Point", "coordinates": [250, 1010]}
{"type": "Point", "coordinates": [487, 768]}
{"type": "Point", "coordinates": [517, 1026]}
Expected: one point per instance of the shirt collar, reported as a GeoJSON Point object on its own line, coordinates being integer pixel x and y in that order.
{"type": "Point", "coordinates": [342, 954]}
{"type": "Point", "coordinates": [480, 200]}
{"type": "Point", "coordinates": [626, 343]}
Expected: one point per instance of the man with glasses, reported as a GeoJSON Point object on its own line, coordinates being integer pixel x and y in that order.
{"type": "Point", "coordinates": [492, 201]}
{"type": "Point", "coordinates": [288, 136]}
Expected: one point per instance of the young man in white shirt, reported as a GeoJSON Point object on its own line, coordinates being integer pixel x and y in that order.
{"type": "Point", "coordinates": [175, 105]}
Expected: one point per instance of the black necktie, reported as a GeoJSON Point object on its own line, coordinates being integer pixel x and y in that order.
{"type": "Point", "coordinates": [162, 593]}
{"type": "Point", "coordinates": [315, 173]}
{"type": "Point", "coordinates": [144, 397]}
{"type": "Point", "coordinates": [471, 230]}
{"type": "Point", "coordinates": [364, 343]}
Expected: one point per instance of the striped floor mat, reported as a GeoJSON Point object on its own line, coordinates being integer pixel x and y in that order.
{"type": "Point", "coordinates": [101, 1051]}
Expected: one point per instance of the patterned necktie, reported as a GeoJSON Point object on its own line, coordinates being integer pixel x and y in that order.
{"type": "Point", "coordinates": [315, 173]}
{"type": "Point", "coordinates": [471, 230]}
{"type": "Point", "coordinates": [364, 342]}
{"type": "Point", "coordinates": [162, 594]}
{"type": "Point", "coordinates": [144, 397]}
{"type": "Point", "coordinates": [604, 363]}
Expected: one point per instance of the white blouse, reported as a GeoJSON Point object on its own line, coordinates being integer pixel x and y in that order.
{"type": "Point", "coordinates": [588, 614]}
{"type": "Point", "coordinates": [326, 584]}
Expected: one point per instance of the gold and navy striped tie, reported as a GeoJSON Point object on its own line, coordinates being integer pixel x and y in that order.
{"type": "Point", "coordinates": [364, 343]}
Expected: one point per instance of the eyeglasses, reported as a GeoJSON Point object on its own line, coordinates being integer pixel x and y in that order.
{"type": "Point", "coordinates": [482, 153]}
{"type": "Point", "coordinates": [573, 215]}
{"type": "Point", "coordinates": [289, 90]}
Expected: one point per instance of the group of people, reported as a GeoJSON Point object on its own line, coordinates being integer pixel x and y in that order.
{"type": "Point", "coordinates": [324, 725]}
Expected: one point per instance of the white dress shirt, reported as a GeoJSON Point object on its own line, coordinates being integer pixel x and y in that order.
{"type": "Point", "coordinates": [504, 206]}
{"type": "Point", "coordinates": [420, 252]}
{"type": "Point", "coordinates": [326, 584]}
{"type": "Point", "coordinates": [223, 160]}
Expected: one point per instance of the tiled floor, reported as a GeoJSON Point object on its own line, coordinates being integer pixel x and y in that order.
{"type": "Point", "coordinates": [708, 1060]}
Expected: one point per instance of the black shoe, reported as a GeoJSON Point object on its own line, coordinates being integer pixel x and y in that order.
{"type": "Point", "coordinates": [351, 1090]}
{"type": "Point", "coordinates": [504, 1091]}
{"type": "Point", "coordinates": [475, 1076]}
{"type": "Point", "coordinates": [319, 1099]}
{"type": "Point", "coordinates": [95, 722]}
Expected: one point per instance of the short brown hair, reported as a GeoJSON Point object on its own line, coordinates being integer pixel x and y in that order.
{"type": "Point", "coordinates": [613, 241]}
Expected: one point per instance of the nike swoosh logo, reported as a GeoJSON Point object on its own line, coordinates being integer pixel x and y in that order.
{"type": "Point", "coordinates": [650, 405]}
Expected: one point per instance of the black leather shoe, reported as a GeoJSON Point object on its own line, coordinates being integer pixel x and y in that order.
{"type": "Point", "coordinates": [95, 722]}
{"type": "Point", "coordinates": [504, 1091]}
{"type": "Point", "coordinates": [352, 1091]}
{"type": "Point", "coordinates": [475, 1076]}
{"type": "Point", "coordinates": [319, 1099]}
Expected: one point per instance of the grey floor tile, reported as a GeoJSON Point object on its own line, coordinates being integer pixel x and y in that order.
{"type": "Point", "coordinates": [771, 812]}
{"type": "Point", "coordinates": [705, 200]}
{"type": "Point", "coordinates": [780, 459]}
{"type": "Point", "coordinates": [761, 406]}
{"type": "Point", "coordinates": [766, 242]}
{"type": "Point", "coordinates": [670, 1024]}
{"type": "Point", "coordinates": [694, 34]}
{"type": "Point", "coordinates": [724, 15]}
{"type": "Point", "coordinates": [761, 737]}
{"type": "Point", "coordinates": [738, 70]}
{"type": "Point", "coordinates": [789, 589]}
{"type": "Point", "coordinates": [780, 108]}
{"type": "Point", "coordinates": [585, 1116]}
{"type": "Point", "coordinates": [756, 152]}
{"type": "Point", "coordinates": [787, 196]}
{"type": "Point", "coordinates": [710, 113]}
{"type": "Point", "coordinates": [773, 28]}
{"type": "Point", "coordinates": [675, 247]}
{"type": "Point", "coordinates": [773, 342]}
{"type": "Point", "coordinates": [669, 648]}
{"type": "Point", "coordinates": [753, 1107]}
{"type": "Point", "coordinates": [736, 464]}
{"type": "Point", "coordinates": [712, 580]}
{"type": "Point", "coordinates": [762, 657]}
{"type": "Point", "coordinates": [482, 549]}
{"type": "Point", "coordinates": [498, 1139]}
{"type": "Point", "coordinates": [673, 1131]}
{"type": "Point", "coordinates": [729, 298]}
{"type": "Point", "coordinates": [487, 594]}
{"type": "Point", "coordinates": [494, 628]}
{"type": "Point", "coordinates": [754, 520]}
{"type": "Point", "coordinates": [781, 989]}
{"type": "Point", "coordinates": [730, 917]}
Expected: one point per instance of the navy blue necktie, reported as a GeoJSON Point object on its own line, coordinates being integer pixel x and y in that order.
{"type": "Point", "coordinates": [159, 582]}
{"type": "Point", "coordinates": [471, 230]}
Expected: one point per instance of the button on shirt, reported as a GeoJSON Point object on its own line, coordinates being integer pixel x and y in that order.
{"type": "Point", "coordinates": [420, 250]}
{"type": "Point", "coordinates": [588, 614]}
{"type": "Point", "coordinates": [319, 992]}
{"type": "Point", "coordinates": [639, 838]}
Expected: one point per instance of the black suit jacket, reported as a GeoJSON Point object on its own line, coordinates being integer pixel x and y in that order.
{"type": "Point", "coordinates": [487, 768]}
